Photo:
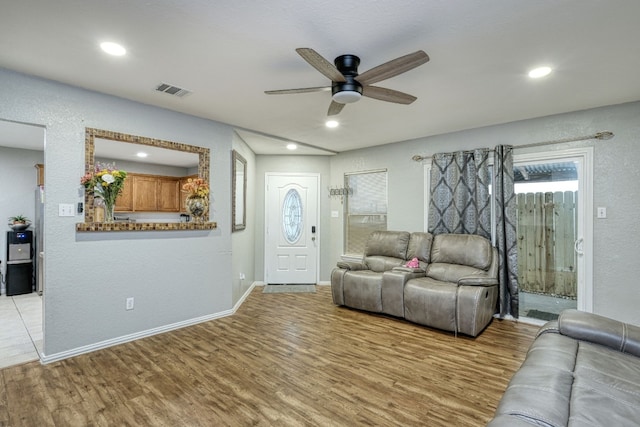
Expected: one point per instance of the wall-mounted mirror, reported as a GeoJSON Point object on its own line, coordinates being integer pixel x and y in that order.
{"type": "Point", "coordinates": [238, 191]}
{"type": "Point", "coordinates": [163, 158]}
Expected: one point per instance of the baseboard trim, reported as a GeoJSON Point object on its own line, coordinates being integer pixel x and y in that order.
{"type": "Point", "coordinates": [49, 358]}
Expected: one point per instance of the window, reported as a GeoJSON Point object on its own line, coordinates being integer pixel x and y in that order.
{"type": "Point", "coordinates": [365, 208]}
{"type": "Point", "coordinates": [292, 216]}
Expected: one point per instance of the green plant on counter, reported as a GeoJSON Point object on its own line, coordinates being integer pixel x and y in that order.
{"type": "Point", "coordinates": [18, 219]}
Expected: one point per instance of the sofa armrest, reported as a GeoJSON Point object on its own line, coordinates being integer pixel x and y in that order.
{"type": "Point", "coordinates": [410, 270]}
{"type": "Point", "coordinates": [600, 330]}
{"type": "Point", "coordinates": [551, 327]}
{"type": "Point", "coordinates": [348, 265]}
{"type": "Point", "coordinates": [477, 281]}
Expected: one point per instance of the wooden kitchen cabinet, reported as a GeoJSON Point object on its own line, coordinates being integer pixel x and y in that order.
{"type": "Point", "coordinates": [168, 192]}
{"type": "Point", "coordinates": [40, 168]}
{"type": "Point", "coordinates": [145, 193]}
{"type": "Point", "coordinates": [124, 202]}
{"type": "Point", "coordinates": [150, 193]}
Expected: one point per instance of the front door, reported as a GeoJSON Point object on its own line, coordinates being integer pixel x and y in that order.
{"type": "Point", "coordinates": [291, 240]}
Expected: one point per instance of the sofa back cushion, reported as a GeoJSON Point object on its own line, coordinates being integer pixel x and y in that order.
{"type": "Point", "coordinates": [460, 255]}
{"type": "Point", "coordinates": [420, 247]}
{"type": "Point", "coordinates": [462, 249]}
{"type": "Point", "coordinates": [386, 249]}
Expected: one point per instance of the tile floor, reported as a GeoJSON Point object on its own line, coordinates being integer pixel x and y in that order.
{"type": "Point", "coordinates": [20, 329]}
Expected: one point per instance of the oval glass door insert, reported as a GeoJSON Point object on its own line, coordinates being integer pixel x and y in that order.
{"type": "Point", "coordinates": [292, 216]}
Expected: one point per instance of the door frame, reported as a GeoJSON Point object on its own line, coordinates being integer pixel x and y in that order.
{"type": "Point", "coordinates": [584, 157]}
{"type": "Point", "coordinates": [267, 176]}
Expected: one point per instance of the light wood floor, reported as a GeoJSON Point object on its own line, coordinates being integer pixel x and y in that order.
{"type": "Point", "coordinates": [281, 360]}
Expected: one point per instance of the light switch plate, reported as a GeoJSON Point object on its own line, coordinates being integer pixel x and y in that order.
{"type": "Point", "coordinates": [602, 212]}
{"type": "Point", "coordinates": [335, 214]}
{"type": "Point", "coordinates": [66, 209]}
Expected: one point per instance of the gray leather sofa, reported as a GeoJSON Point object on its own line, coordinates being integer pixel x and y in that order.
{"type": "Point", "coordinates": [454, 287]}
{"type": "Point", "coordinates": [581, 370]}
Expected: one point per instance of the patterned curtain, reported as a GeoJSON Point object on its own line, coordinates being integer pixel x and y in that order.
{"type": "Point", "coordinates": [506, 238]}
{"type": "Point", "coordinates": [460, 201]}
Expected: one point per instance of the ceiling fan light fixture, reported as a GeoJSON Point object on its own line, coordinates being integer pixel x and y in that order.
{"type": "Point", "coordinates": [347, 96]}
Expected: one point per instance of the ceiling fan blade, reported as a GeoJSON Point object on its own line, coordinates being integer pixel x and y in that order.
{"type": "Point", "coordinates": [335, 108]}
{"type": "Point", "coordinates": [319, 63]}
{"type": "Point", "coordinates": [300, 90]}
{"type": "Point", "coordinates": [389, 95]}
{"type": "Point", "coordinates": [393, 68]}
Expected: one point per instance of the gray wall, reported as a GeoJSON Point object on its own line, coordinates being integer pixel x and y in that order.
{"type": "Point", "coordinates": [294, 164]}
{"type": "Point", "coordinates": [18, 180]}
{"type": "Point", "coordinates": [243, 242]}
{"type": "Point", "coordinates": [174, 276]}
{"type": "Point", "coordinates": [616, 177]}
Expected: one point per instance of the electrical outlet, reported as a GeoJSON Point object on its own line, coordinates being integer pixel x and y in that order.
{"type": "Point", "coordinates": [602, 212]}
{"type": "Point", "coordinates": [129, 305]}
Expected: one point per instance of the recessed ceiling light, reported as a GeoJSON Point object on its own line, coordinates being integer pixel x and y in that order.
{"type": "Point", "coordinates": [536, 73]}
{"type": "Point", "coordinates": [331, 123]}
{"type": "Point", "coordinates": [142, 154]}
{"type": "Point", "coordinates": [113, 48]}
{"type": "Point", "coordinates": [291, 146]}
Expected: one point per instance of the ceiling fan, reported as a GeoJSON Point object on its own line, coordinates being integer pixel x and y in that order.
{"type": "Point", "coordinates": [348, 86]}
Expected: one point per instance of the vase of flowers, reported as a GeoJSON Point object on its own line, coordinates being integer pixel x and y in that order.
{"type": "Point", "coordinates": [197, 201]}
{"type": "Point", "coordinates": [105, 183]}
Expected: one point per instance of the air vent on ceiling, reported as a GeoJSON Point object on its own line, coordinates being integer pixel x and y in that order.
{"type": "Point", "coordinates": [172, 90]}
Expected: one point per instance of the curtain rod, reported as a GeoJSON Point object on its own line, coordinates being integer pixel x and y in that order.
{"type": "Point", "coordinates": [604, 135]}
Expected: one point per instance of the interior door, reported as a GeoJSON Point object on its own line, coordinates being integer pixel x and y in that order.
{"type": "Point", "coordinates": [291, 227]}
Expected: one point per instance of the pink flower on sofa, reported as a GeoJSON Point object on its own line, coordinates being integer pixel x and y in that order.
{"type": "Point", "coordinates": [414, 263]}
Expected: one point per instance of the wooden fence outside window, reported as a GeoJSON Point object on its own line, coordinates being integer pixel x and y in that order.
{"type": "Point", "coordinates": [547, 231]}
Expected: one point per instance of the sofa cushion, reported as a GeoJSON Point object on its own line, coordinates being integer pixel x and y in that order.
{"type": "Point", "coordinates": [540, 390]}
{"type": "Point", "coordinates": [387, 243]}
{"type": "Point", "coordinates": [363, 290]}
{"type": "Point", "coordinates": [380, 264]}
{"type": "Point", "coordinates": [431, 302]}
{"type": "Point", "coordinates": [453, 272]}
{"type": "Point", "coordinates": [420, 247]}
{"type": "Point", "coordinates": [462, 249]}
{"type": "Point", "coordinates": [606, 387]}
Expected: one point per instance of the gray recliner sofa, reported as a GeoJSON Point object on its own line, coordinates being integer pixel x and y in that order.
{"type": "Point", "coordinates": [581, 370]}
{"type": "Point", "coordinates": [454, 287]}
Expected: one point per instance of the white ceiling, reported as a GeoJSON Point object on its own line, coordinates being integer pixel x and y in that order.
{"type": "Point", "coordinates": [229, 52]}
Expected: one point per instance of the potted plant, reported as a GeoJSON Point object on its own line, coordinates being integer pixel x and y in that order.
{"type": "Point", "coordinates": [19, 222]}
